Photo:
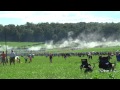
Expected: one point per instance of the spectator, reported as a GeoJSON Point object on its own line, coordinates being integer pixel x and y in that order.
{"type": "Point", "coordinates": [3, 58]}
{"type": "Point", "coordinates": [12, 57]}
{"type": "Point", "coordinates": [26, 58]}
{"type": "Point", "coordinates": [50, 57]}
{"type": "Point", "coordinates": [118, 57]}
{"type": "Point", "coordinates": [30, 57]}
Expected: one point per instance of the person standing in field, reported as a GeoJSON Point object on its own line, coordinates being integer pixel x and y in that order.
{"type": "Point", "coordinates": [65, 56]}
{"type": "Point", "coordinates": [26, 58]}
{"type": "Point", "coordinates": [50, 57]}
{"type": "Point", "coordinates": [3, 58]}
{"type": "Point", "coordinates": [12, 57]}
{"type": "Point", "coordinates": [30, 57]}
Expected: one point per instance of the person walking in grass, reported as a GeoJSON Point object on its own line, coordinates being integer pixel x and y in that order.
{"type": "Point", "coordinates": [50, 57]}
{"type": "Point", "coordinates": [30, 58]}
{"type": "Point", "coordinates": [65, 56]}
{"type": "Point", "coordinates": [12, 57]}
{"type": "Point", "coordinates": [3, 58]}
{"type": "Point", "coordinates": [26, 58]}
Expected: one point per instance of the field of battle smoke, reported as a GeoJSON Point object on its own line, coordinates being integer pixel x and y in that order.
{"type": "Point", "coordinates": [82, 41]}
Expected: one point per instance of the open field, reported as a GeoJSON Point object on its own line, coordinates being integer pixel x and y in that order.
{"type": "Point", "coordinates": [41, 68]}
{"type": "Point", "coordinates": [19, 44]}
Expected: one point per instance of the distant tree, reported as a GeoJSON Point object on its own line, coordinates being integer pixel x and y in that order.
{"type": "Point", "coordinates": [42, 32]}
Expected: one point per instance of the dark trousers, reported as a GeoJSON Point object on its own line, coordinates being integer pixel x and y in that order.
{"type": "Point", "coordinates": [3, 61]}
{"type": "Point", "coordinates": [12, 59]}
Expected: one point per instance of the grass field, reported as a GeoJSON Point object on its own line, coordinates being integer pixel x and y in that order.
{"type": "Point", "coordinates": [20, 44]}
{"type": "Point", "coordinates": [41, 68]}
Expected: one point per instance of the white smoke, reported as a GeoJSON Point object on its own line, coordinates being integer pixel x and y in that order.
{"type": "Point", "coordinates": [103, 39]}
{"type": "Point", "coordinates": [82, 41]}
{"type": "Point", "coordinates": [4, 47]}
{"type": "Point", "coordinates": [64, 44]}
{"type": "Point", "coordinates": [34, 48]}
{"type": "Point", "coordinates": [70, 33]}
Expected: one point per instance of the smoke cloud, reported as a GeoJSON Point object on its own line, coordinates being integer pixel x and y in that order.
{"type": "Point", "coordinates": [82, 41]}
{"type": "Point", "coordinates": [90, 40]}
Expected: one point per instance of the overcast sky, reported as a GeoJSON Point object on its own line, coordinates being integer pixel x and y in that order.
{"type": "Point", "coordinates": [21, 17]}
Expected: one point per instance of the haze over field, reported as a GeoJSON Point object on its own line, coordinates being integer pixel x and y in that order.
{"type": "Point", "coordinates": [82, 41]}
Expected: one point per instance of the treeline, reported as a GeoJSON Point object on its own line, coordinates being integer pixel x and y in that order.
{"type": "Point", "coordinates": [42, 32]}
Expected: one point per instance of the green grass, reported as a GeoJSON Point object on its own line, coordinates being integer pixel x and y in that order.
{"type": "Point", "coordinates": [41, 68]}
{"type": "Point", "coordinates": [21, 44]}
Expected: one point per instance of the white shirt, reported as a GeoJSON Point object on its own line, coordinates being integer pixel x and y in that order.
{"type": "Point", "coordinates": [12, 54]}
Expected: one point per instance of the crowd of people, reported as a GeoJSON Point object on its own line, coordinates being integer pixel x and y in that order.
{"type": "Point", "coordinates": [28, 58]}
{"type": "Point", "coordinates": [13, 58]}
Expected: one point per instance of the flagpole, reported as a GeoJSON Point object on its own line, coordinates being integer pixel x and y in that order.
{"type": "Point", "coordinates": [6, 45]}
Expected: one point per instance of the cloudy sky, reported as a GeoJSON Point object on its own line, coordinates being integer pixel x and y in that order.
{"type": "Point", "coordinates": [21, 17]}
